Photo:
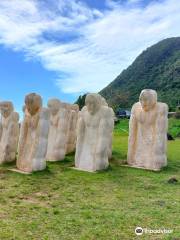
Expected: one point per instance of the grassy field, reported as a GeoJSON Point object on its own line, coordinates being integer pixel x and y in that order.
{"type": "Point", "coordinates": [174, 127]}
{"type": "Point", "coordinates": [62, 203]}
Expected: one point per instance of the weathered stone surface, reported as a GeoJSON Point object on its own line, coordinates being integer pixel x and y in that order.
{"type": "Point", "coordinates": [148, 132]}
{"type": "Point", "coordinates": [93, 134]}
{"type": "Point", "coordinates": [111, 113]}
{"type": "Point", "coordinates": [33, 135]}
{"type": "Point", "coordinates": [72, 128]}
{"type": "Point", "coordinates": [9, 132]}
{"type": "Point", "coordinates": [57, 137]}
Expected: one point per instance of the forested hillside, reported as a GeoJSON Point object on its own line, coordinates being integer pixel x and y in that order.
{"type": "Point", "coordinates": [158, 67]}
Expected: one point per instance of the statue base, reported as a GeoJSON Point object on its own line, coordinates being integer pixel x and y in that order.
{"type": "Point", "coordinates": [18, 171]}
{"type": "Point", "coordinates": [137, 167]}
{"type": "Point", "coordinates": [83, 170]}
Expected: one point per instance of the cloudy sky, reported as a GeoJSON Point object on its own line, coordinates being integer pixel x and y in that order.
{"type": "Point", "coordinates": [62, 48]}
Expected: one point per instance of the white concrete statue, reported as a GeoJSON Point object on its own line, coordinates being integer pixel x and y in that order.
{"type": "Point", "coordinates": [33, 135]}
{"type": "Point", "coordinates": [111, 113]}
{"type": "Point", "coordinates": [58, 131]}
{"type": "Point", "coordinates": [148, 132]}
{"type": "Point", "coordinates": [72, 128]}
{"type": "Point", "coordinates": [93, 133]}
{"type": "Point", "coordinates": [9, 132]}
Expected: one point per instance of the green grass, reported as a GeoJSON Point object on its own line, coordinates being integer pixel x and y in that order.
{"type": "Point", "coordinates": [174, 127]}
{"type": "Point", "coordinates": [62, 203]}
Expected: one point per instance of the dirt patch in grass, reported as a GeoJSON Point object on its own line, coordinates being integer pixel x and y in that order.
{"type": "Point", "coordinates": [40, 198]}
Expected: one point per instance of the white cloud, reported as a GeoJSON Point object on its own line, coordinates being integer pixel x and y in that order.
{"type": "Point", "coordinates": [106, 42]}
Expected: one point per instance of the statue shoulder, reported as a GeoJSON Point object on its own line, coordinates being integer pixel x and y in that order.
{"type": "Point", "coordinates": [162, 108]}
{"type": "Point", "coordinates": [106, 112]}
{"type": "Point", "coordinates": [112, 112]}
{"type": "Point", "coordinates": [136, 106]}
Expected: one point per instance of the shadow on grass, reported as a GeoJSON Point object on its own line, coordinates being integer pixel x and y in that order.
{"type": "Point", "coordinates": [9, 165]}
{"type": "Point", "coordinates": [170, 168]}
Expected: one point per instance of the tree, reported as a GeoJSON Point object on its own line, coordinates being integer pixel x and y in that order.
{"type": "Point", "coordinates": [81, 101]}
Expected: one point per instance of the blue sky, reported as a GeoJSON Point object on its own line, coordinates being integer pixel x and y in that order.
{"type": "Point", "coordinates": [63, 48]}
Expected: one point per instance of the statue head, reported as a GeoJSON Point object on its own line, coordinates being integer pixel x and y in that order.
{"type": "Point", "coordinates": [75, 107]}
{"type": "Point", "coordinates": [93, 102]}
{"type": "Point", "coordinates": [6, 108]}
{"type": "Point", "coordinates": [148, 99]}
{"type": "Point", "coordinates": [54, 105]}
{"type": "Point", "coordinates": [33, 103]}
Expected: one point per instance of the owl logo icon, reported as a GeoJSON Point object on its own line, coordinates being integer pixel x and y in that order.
{"type": "Point", "coordinates": [139, 231]}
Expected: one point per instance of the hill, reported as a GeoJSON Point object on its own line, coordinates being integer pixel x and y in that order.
{"type": "Point", "coordinates": [158, 67]}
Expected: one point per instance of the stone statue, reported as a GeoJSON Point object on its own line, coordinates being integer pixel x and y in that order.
{"type": "Point", "coordinates": [33, 135]}
{"type": "Point", "coordinates": [111, 113]}
{"type": "Point", "coordinates": [58, 131]}
{"type": "Point", "coordinates": [71, 134]}
{"type": "Point", "coordinates": [93, 133]}
{"type": "Point", "coordinates": [9, 132]}
{"type": "Point", "coordinates": [148, 132]}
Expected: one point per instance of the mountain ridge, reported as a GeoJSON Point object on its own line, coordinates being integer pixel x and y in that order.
{"type": "Point", "coordinates": [157, 67]}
